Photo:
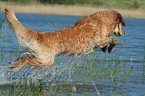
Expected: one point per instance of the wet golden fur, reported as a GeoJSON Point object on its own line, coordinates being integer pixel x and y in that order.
{"type": "Point", "coordinates": [87, 33]}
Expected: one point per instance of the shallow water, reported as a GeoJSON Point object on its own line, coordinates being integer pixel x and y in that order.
{"type": "Point", "coordinates": [85, 69]}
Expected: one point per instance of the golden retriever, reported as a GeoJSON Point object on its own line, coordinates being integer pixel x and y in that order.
{"type": "Point", "coordinates": [87, 33]}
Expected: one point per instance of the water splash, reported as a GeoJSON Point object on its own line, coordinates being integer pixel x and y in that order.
{"type": "Point", "coordinates": [5, 75]}
{"type": "Point", "coordinates": [61, 66]}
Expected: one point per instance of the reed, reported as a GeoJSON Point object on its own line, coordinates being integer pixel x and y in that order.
{"type": "Point", "coordinates": [83, 74]}
{"type": "Point", "coordinates": [73, 10]}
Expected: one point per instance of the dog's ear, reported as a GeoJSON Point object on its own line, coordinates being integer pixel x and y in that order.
{"type": "Point", "coordinates": [121, 30]}
{"type": "Point", "coordinates": [120, 18]}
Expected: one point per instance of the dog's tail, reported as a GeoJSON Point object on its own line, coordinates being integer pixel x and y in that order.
{"type": "Point", "coordinates": [120, 18]}
{"type": "Point", "coordinates": [11, 18]}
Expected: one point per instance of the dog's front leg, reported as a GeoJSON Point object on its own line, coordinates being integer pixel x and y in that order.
{"type": "Point", "coordinates": [104, 44]}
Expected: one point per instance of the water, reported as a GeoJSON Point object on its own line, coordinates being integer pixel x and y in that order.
{"type": "Point", "coordinates": [85, 69]}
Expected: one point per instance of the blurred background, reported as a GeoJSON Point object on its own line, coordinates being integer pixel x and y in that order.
{"type": "Point", "coordinates": [129, 8]}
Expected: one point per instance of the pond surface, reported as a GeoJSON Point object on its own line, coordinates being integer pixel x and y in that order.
{"type": "Point", "coordinates": [126, 64]}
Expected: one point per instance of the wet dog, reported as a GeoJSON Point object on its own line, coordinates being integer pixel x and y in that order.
{"type": "Point", "coordinates": [87, 33]}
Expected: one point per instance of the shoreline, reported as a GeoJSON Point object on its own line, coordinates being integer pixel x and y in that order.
{"type": "Point", "coordinates": [70, 10]}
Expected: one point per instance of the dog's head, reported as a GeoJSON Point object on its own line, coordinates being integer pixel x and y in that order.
{"type": "Point", "coordinates": [118, 30]}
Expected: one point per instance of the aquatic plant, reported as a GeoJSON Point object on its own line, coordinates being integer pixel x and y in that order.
{"type": "Point", "coordinates": [1, 23]}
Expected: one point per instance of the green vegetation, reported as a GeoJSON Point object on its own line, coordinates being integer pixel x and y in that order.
{"type": "Point", "coordinates": [25, 89]}
{"type": "Point", "coordinates": [72, 2]}
{"type": "Point", "coordinates": [20, 1]}
{"type": "Point", "coordinates": [128, 8]}
{"type": "Point", "coordinates": [136, 5]}
{"type": "Point", "coordinates": [105, 72]}
{"type": "Point", "coordinates": [1, 23]}
{"type": "Point", "coordinates": [123, 4]}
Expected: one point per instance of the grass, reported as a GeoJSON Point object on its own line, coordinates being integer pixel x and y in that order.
{"type": "Point", "coordinates": [76, 10]}
{"type": "Point", "coordinates": [97, 71]}
{"type": "Point", "coordinates": [25, 89]}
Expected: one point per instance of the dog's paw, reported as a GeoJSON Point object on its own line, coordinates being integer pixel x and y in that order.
{"type": "Point", "coordinates": [14, 69]}
{"type": "Point", "coordinates": [104, 49]}
{"type": "Point", "coordinates": [111, 47]}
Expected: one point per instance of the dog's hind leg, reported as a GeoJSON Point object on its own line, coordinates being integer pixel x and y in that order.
{"type": "Point", "coordinates": [27, 61]}
{"type": "Point", "coordinates": [16, 61]}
